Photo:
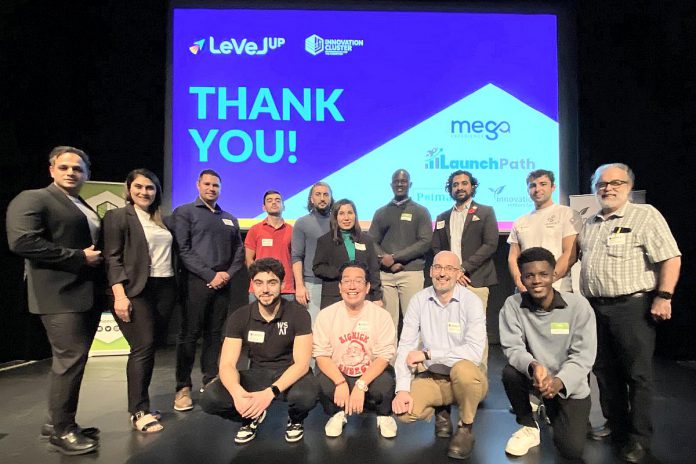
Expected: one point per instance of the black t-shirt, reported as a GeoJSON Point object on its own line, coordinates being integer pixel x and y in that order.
{"type": "Point", "coordinates": [269, 343]}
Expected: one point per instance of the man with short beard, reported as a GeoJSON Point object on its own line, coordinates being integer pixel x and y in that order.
{"type": "Point", "coordinates": [305, 234]}
{"type": "Point", "coordinates": [630, 268]}
{"type": "Point", "coordinates": [278, 336]}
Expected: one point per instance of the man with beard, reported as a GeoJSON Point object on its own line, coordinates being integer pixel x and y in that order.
{"type": "Point", "coordinates": [402, 231]}
{"type": "Point", "coordinates": [278, 336]}
{"type": "Point", "coordinates": [630, 268]}
{"type": "Point", "coordinates": [271, 238]}
{"type": "Point", "coordinates": [441, 354]}
{"type": "Point", "coordinates": [470, 231]}
{"type": "Point", "coordinates": [304, 244]}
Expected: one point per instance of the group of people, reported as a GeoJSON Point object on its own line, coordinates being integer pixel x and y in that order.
{"type": "Point", "coordinates": [329, 293]}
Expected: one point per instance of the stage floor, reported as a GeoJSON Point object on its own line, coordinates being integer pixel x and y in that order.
{"type": "Point", "coordinates": [195, 437]}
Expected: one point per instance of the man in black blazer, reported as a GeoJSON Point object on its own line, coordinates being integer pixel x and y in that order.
{"type": "Point", "coordinates": [56, 232]}
{"type": "Point", "coordinates": [473, 229]}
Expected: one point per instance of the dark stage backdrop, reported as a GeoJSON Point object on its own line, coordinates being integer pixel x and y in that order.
{"type": "Point", "coordinates": [92, 75]}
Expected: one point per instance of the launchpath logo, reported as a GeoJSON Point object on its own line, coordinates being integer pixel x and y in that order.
{"type": "Point", "coordinates": [237, 46]}
{"type": "Point", "coordinates": [437, 159]}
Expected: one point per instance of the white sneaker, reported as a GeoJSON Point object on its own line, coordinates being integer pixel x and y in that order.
{"type": "Point", "coordinates": [521, 441]}
{"type": "Point", "coordinates": [334, 426]}
{"type": "Point", "coordinates": [386, 426]}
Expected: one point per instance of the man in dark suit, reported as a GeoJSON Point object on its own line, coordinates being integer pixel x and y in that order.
{"type": "Point", "coordinates": [56, 232]}
{"type": "Point", "coordinates": [473, 230]}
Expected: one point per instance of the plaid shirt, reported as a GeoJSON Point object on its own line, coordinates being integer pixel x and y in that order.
{"type": "Point", "coordinates": [620, 254]}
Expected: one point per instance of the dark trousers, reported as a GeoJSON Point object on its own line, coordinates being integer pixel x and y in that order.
{"type": "Point", "coordinates": [203, 316]}
{"type": "Point", "coordinates": [625, 347]}
{"type": "Point", "coordinates": [569, 417]}
{"type": "Point", "coordinates": [378, 398]}
{"type": "Point", "coordinates": [146, 330]}
{"type": "Point", "coordinates": [301, 396]}
{"type": "Point", "coordinates": [70, 335]}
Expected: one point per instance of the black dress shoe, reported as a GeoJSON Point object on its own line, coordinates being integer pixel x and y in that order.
{"type": "Point", "coordinates": [89, 432]}
{"type": "Point", "coordinates": [599, 433]}
{"type": "Point", "coordinates": [443, 424]}
{"type": "Point", "coordinates": [633, 452]}
{"type": "Point", "coordinates": [462, 443]}
{"type": "Point", "coordinates": [73, 443]}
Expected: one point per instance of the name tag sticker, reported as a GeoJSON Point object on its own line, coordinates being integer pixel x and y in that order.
{"type": "Point", "coordinates": [256, 336]}
{"type": "Point", "coordinates": [360, 246]}
{"type": "Point", "coordinates": [228, 222]}
{"type": "Point", "coordinates": [406, 216]}
{"type": "Point", "coordinates": [440, 225]}
{"type": "Point", "coordinates": [560, 328]}
{"type": "Point", "coordinates": [453, 327]}
{"type": "Point", "coordinates": [616, 239]}
{"type": "Point", "coordinates": [362, 326]}
{"type": "Point", "coordinates": [266, 242]}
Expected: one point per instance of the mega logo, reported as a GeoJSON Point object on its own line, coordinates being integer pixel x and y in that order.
{"type": "Point", "coordinates": [489, 129]}
{"type": "Point", "coordinates": [238, 46]}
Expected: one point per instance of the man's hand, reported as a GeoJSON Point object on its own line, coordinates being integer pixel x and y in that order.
{"type": "Point", "coordinates": [539, 376]}
{"type": "Point", "coordinates": [357, 401]}
{"type": "Point", "coordinates": [301, 294]}
{"type": "Point", "coordinates": [414, 358]}
{"type": "Point", "coordinates": [553, 386]}
{"type": "Point", "coordinates": [220, 280]}
{"type": "Point", "coordinates": [258, 403]}
{"type": "Point", "coordinates": [402, 403]}
{"type": "Point", "coordinates": [661, 309]}
{"type": "Point", "coordinates": [93, 258]}
{"type": "Point", "coordinates": [122, 308]}
{"type": "Point", "coordinates": [463, 280]}
{"type": "Point", "coordinates": [396, 267]}
{"type": "Point", "coordinates": [342, 396]}
{"type": "Point", "coordinates": [520, 286]}
{"type": "Point", "coordinates": [387, 261]}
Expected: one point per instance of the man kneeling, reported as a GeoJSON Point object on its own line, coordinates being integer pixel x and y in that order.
{"type": "Point", "coordinates": [354, 340]}
{"type": "Point", "coordinates": [550, 341]}
{"type": "Point", "coordinates": [278, 335]}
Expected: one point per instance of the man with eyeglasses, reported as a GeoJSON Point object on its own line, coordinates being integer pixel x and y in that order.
{"type": "Point", "coordinates": [450, 367]}
{"type": "Point", "coordinates": [630, 267]}
{"type": "Point", "coordinates": [354, 341]}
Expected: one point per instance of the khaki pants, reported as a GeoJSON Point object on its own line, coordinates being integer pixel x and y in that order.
{"type": "Point", "coordinates": [466, 386]}
{"type": "Point", "coordinates": [398, 289]}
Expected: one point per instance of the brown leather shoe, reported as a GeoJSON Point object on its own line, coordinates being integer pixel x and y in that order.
{"type": "Point", "coordinates": [462, 443]}
{"type": "Point", "coordinates": [443, 424]}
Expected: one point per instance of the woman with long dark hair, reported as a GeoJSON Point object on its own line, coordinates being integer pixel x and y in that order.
{"type": "Point", "coordinates": [345, 242]}
{"type": "Point", "coordinates": [140, 269]}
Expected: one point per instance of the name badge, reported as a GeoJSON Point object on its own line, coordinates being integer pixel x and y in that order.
{"type": "Point", "coordinates": [616, 239]}
{"type": "Point", "coordinates": [406, 216]}
{"type": "Point", "coordinates": [440, 225]}
{"type": "Point", "coordinates": [362, 326]}
{"type": "Point", "coordinates": [266, 242]}
{"type": "Point", "coordinates": [560, 328]}
{"type": "Point", "coordinates": [453, 327]}
{"type": "Point", "coordinates": [256, 336]}
{"type": "Point", "coordinates": [360, 246]}
{"type": "Point", "coordinates": [228, 222]}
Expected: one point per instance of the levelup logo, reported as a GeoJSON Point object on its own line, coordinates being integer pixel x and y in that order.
{"type": "Point", "coordinates": [197, 46]}
{"type": "Point", "coordinates": [314, 44]}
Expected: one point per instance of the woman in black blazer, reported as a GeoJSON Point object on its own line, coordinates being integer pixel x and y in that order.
{"type": "Point", "coordinates": [139, 262]}
{"type": "Point", "coordinates": [343, 243]}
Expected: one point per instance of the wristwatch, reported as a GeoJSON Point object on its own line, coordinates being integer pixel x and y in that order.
{"type": "Point", "coordinates": [275, 390]}
{"type": "Point", "coordinates": [361, 385]}
{"type": "Point", "coordinates": [664, 295]}
{"type": "Point", "coordinates": [426, 353]}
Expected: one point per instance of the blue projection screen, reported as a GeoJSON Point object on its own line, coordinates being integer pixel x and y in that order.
{"type": "Point", "coordinates": [280, 99]}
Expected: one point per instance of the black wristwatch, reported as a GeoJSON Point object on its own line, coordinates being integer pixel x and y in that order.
{"type": "Point", "coordinates": [275, 390]}
{"type": "Point", "coordinates": [664, 295]}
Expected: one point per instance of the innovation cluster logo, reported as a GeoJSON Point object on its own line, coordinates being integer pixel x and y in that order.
{"type": "Point", "coordinates": [316, 45]}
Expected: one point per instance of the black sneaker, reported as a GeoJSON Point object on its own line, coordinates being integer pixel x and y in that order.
{"type": "Point", "coordinates": [294, 431]}
{"type": "Point", "coordinates": [247, 432]}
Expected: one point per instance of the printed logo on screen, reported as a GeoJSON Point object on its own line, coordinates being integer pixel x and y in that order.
{"type": "Point", "coordinates": [491, 130]}
{"type": "Point", "coordinates": [507, 199]}
{"type": "Point", "coordinates": [438, 159]}
{"type": "Point", "coordinates": [315, 45]}
{"type": "Point", "coordinates": [238, 46]}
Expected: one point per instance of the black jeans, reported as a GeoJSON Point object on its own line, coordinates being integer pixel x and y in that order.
{"type": "Point", "coordinates": [203, 316]}
{"type": "Point", "coordinates": [70, 335]}
{"type": "Point", "coordinates": [625, 347]}
{"type": "Point", "coordinates": [301, 396]}
{"type": "Point", "coordinates": [569, 417]}
{"type": "Point", "coordinates": [379, 395]}
{"type": "Point", "coordinates": [146, 330]}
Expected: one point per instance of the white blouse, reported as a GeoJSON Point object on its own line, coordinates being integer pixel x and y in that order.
{"type": "Point", "coordinates": [159, 244]}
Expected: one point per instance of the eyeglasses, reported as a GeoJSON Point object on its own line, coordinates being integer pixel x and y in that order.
{"type": "Point", "coordinates": [438, 268]}
{"type": "Point", "coordinates": [357, 282]}
{"type": "Point", "coordinates": [613, 183]}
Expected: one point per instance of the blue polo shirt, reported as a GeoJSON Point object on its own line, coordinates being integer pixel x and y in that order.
{"type": "Point", "coordinates": [208, 241]}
